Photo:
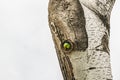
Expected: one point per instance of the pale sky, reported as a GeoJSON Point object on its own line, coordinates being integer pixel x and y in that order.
{"type": "Point", "coordinates": [26, 47]}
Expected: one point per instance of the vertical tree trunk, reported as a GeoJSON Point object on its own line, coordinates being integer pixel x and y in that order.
{"type": "Point", "coordinates": [80, 30]}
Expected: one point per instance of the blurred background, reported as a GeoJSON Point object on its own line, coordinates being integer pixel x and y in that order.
{"type": "Point", "coordinates": [26, 47]}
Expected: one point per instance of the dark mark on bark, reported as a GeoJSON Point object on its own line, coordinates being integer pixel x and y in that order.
{"type": "Point", "coordinates": [91, 68]}
{"type": "Point", "coordinates": [105, 43]}
{"type": "Point", "coordinates": [104, 46]}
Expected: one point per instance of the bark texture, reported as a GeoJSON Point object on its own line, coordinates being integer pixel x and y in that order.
{"type": "Point", "coordinates": [85, 26]}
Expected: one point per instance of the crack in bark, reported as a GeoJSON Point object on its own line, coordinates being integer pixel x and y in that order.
{"type": "Point", "coordinates": [91, 68]}
{"type": "Point", "coordinates": [94, 68]}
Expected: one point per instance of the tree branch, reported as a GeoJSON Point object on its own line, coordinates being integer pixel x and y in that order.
{"type": "Point", "coordinates": [80, 30]}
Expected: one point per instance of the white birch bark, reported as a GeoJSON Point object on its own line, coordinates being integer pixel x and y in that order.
{"type": "Point", "coordinates": [85, 24]}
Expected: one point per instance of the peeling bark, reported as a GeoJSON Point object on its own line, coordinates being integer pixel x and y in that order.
{"type": "Point", "coordinates": [85, 26]}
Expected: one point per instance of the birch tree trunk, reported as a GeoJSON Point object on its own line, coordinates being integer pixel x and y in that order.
{"type": "Point", "coordinates": [80, 30]}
